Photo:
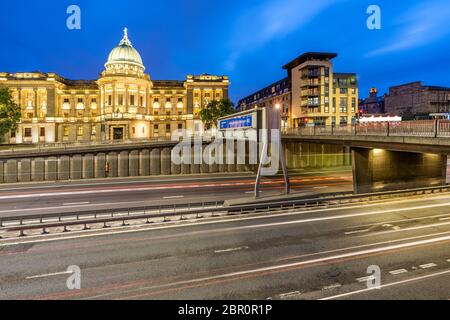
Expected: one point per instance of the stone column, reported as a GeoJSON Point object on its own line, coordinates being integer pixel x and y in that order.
{"type": "Point", "coordinates": [76, 167]}
{"type": "Point", "coordinates": [51, 169]}
{"type": "Point", "coordinates": [100, 165]}
{"type": "Point", "coordinates": [88, 166]}
{"type": "Point", "coordinates": [11, 171]}
{"type": "Point", "coordinates": [155, 162]}
{"type": "Point", "coordinates": [134, 163]}
{"type": "Point", "coordinates": [38, 169]}
{"type": "Point", "coordinates": [112, 160]}
{"type": "Point", "coordinates": [123, 164]}
{"type": "Point", "coordinates": [144, 163]}
{"type": "Point", "coordinates": [64, 168]}
{"type": "Point", "coordinates": [25, 170]}
{"type": "Point", "coordinates": [166, 161]}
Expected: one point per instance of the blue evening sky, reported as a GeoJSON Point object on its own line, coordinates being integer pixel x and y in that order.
{"type": "Point", "coordinates": [249, 40]}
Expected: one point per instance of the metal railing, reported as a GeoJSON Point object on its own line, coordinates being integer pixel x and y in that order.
{"type": "Point", "coordinates": [420, 128]}
{"type": "Point", "coordinates": [147, 215]}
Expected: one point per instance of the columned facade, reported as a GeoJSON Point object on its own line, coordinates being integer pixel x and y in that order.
{"type": "Point", "coordinates": [123, 104]}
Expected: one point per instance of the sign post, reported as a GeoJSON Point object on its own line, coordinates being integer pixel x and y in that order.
{"type": "Point", "coordinates": [267, 124]}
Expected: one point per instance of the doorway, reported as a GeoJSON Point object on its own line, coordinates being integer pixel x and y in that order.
{"type": "Point", "coordinates": [118, 133]}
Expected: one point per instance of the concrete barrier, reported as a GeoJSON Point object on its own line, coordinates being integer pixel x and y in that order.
{"type": "Point", "coordinates": [153, 160]}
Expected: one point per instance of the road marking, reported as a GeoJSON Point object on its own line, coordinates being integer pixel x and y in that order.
{"type": "Point", "coordinates": [281, 267]}
{"type": "Point", "coordinates": [357, 231]}
{"type": "Point", "coordinates": [324, 187]}
{"type": "Point", "coordinates": [427, 266]}
{"type": "Point", "coordinates": [365, 279]}
{"type": "Point", "coordinates": [231, 250]}
{"type": "Point", "coordinates": [444, 219]}
{"type": "Point", "coordinates": [75, 203]}
{"type": "Point", "coordinates": [396, 272]}
{"type": "Point", "coordinates": [333, 286]}
{"type": "Point", "coordinates": [48, 275]}
{"type": "Point", "coordinates": [290, 294]}
{"type": "Point", "coordinates": [386, 285]}
{"type": "Point", "coordinates": [174, 197]}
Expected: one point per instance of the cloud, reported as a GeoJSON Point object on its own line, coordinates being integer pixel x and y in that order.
{"type": "Point", "coordinates": [423, 25]}
{"type": "Point", "coordinates": [269, 21]}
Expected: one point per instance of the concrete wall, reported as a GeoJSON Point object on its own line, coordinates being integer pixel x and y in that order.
{"type": "Point", "coordinates": [154, 161]}
{"type": "Point", "coordinates": [378, 170]}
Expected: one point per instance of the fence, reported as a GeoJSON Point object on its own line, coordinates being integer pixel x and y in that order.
{"type": "Point", "coordinates": [421, 128]}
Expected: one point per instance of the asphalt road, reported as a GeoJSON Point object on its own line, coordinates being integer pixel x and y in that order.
{"type": "Point", "coordinates": [321, 254]}
{"type": "Point", "coordinates": [105, 194]}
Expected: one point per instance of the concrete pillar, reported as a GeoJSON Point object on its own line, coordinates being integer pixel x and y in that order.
{"type": "Point", "coordinates": [76, 167]}
{"type": "Point", "coordinates": [64, 168]}
{"type": "Point", "coordinates": [123, 164]}
{"type": "Point", "coordinates": [166, 162]}
{"type": "Point", "coordinates": [113, 164]}
{"type": "Point", "coordinates": [38, 169]}
{"type": "Point", "coordinates": [51, 169]}
{"type": "Point", "coordinates": [155, 162]}
{"type": "Point", "coordinates": [11, 171]}
{"type": "Point", "coordinates": [144, 163]}
{"type": "Point", "coordinates": [196, 153]}
{"type": "Point", "coordinates": [100, 165]}
{"type": "Point", "coordinates": [88, 166]}
{"type": "Point", "coordinates": [204, 167]}
{"type": "Point", "coordinates": [231, 159]}
{"type": "Point", "coordinates": [377, 170]}
{"type": "Point", "coordinates": [134, 163]}
{"type": "Point", "coordinates": [25, 170]}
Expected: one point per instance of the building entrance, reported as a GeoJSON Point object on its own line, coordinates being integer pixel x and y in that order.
{"type": "Point", "coordinates": [118, 133]}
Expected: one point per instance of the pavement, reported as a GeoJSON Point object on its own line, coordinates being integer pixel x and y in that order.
{"type": "Point", "coordinates": [318, 254]}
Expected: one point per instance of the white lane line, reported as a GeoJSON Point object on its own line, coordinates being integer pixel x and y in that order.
{"type": "Point", "coordinates": [174, 197]}
{"type": "Point", "coordinates": [48, 275]}
{"type": "Point", "coordinates": [282, 267]}
{"type": "Point", "coordinates": [356, 232]}
{"type": "Point", "coordinates": [333, 286]}
{"type": "Point", "coordinates": [290, 294]}
{"type": "Point", "coordinates": [324, 187]}
{"type": "Point", "coordinates": [428, 265]}
{"type": "Point", "coordinates": [386, 285]}
{"type": "Point", "coordinates": [231, 250]}
{"type": "Point", "coordinates": [444, 219]}
{"type": "Point", "coordinates": [365, 279]}
{"type": "Point", "coordinates": [396, 272]}
{"type": "Point", "coordinates": [75, 203]}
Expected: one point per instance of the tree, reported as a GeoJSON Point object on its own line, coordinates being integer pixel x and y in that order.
{"type": "Point", "coordinates": [9, 113]}
{"type": "Point", "coordinates": [214, 110]}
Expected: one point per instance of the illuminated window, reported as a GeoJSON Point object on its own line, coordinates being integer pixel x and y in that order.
{"type": "Point", "coordinates": [27, 133]}
{"type": "Point", "coordinates": [94, 131]}
{"type": "Point", "coordinates": [80, 130]}
{"type": "Point", "coordinates": [66, 131]}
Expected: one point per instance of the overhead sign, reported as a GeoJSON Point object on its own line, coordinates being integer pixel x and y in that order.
{"type": "Point", "coordinates": [239, 122]}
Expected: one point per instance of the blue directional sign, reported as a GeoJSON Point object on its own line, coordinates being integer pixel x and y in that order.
{"type": "Point", "coordinates": [240, 122]}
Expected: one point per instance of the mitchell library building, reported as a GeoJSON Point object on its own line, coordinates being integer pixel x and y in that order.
{"type": "Point", "coordinates": [123, 104]}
